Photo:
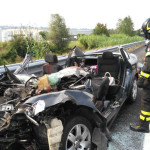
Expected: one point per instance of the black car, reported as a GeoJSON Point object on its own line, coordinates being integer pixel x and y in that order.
{"type": "Point", "coordinates": [78, 113]}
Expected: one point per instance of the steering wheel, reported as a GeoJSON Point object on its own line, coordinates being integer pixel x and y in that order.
{"type": "Point", "coordinates": [28, 84]}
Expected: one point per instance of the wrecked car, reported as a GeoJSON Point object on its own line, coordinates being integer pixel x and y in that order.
{"type": "Point", "coordinates": [76, 109]}
{"type": "Point", "coordinates": [9, 79]}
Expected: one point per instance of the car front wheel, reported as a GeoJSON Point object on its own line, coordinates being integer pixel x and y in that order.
{"type": "Point", "coordinates": [77, 134]}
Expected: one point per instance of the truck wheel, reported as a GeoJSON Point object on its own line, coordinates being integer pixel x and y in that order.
{"type": "Point", "coordinates": [77, 134]}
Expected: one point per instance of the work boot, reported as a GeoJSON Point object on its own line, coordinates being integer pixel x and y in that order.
{"type": "Point", "coordinates": [142, 126]}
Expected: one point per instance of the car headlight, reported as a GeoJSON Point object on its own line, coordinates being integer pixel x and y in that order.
{"type": "Point", "coordinates": [39, 106]}
{"type": "Point", "coordinates": [34, 109]}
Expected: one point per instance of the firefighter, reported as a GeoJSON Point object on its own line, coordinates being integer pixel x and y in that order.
{"type": "Point", "coordinates": [144, 82]}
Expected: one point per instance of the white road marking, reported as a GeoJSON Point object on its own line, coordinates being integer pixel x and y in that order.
{"type": "Point", "coordinates": [146, 144]}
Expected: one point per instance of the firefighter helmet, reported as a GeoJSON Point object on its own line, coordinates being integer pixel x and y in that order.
{"type": "Point", "coordinates": [146, 28]}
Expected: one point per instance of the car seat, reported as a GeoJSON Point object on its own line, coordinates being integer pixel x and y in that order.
{"type": "Point", "coordinates": [51, 66]}
{"type": "Point", "coordinates": [100, 87]}
{"type": "Point", "coordinates": [110, 63]}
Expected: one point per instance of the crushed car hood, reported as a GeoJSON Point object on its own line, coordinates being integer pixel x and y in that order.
{"type": "Point", "coordinates": [76, 96]}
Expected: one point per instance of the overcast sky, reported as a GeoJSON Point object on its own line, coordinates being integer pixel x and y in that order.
{"type": "Point", "coordinates": [77, 13]}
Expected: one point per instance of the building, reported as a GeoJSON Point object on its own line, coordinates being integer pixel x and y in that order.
{"type": "Point", "coordinates": [7, 34]}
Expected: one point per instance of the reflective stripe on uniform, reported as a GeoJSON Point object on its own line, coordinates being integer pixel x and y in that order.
{"type": "Point", "coordinates": [142, 117]}
{"type": "Point", "coordinates": [148, 27]}
{"type": "Point", "coordinates": [148, 119]}
{"type": "Point", "coordinates": [146, 75]}
{"type": "Point", "coordinates": [145, 113]}
{"type": "Point", "coordinates": [147, 54]}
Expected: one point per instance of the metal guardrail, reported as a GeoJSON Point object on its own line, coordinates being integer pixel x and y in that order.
{"type": "Point", "coordinates": [35, 67]}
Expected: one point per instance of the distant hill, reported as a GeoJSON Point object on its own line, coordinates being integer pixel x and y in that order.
{"type": "Point", "coordinates": [73, 31]}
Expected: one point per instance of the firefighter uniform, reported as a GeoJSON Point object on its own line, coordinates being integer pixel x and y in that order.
{"type": "Point", "coordinates": [144, 82]}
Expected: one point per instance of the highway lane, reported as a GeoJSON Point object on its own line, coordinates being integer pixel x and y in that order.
{"type": "Point", "coordinates": [122, 137]}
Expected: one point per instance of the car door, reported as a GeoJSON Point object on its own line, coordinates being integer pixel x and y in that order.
{"type": "Point", "coordinates": [129, 70]}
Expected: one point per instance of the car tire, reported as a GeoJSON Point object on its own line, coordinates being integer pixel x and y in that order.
{"type": "Point", "coordinates": [134, 92]}
{"type": "Point", "coordinates": [77, 134]}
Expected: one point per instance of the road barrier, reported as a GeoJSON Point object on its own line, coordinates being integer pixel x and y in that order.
{"type": "Point", "coordinates": [35, 67]}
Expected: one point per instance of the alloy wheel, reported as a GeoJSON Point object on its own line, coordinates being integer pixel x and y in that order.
{"type": "Point", "coordinates": [79, 138]}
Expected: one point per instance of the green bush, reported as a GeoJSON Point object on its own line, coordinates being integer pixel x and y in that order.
{"type": "Point", "coordinates": [10, 51]}
{"type": "Point", "coordinates": [21, 45]}
{"type": "Point", "coordinates": [18, 45]}
{"type": "Point", "coordinates": [3, 45]}
{"type": "Point", "coordinates": [96, 41]}
{"type": "Point", "coordinates": [41, 48]}
{"type": "Point", "coordinates": [3, 58]}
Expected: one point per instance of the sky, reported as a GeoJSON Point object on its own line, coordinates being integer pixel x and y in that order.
{"type": "Point", "coordinates": [77, 13]}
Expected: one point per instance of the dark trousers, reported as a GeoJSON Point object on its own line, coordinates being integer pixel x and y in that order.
{"type": "Point", "coordinates": [145, 100]}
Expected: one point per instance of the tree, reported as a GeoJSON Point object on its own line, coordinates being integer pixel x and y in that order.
{"type": "Point", "coordinates": [138, 32]}
{"type": "Point", "coordinates": [125, 26]}
{"type": "Point", "coordinates": [18, 45]}
{"type": "Point", "coordinates": [44, 34]}
{"type": "Point", "coordinates": [101, 29]}
{"type": "Point", "coordinates": [119, 26]}
{"type": "Point", "coordinates": [58, 33]}
{"type": "Point", "coordinates": [112, 31]}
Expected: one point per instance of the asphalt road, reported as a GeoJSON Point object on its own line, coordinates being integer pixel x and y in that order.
{"type": "Point", "coordinates": [122, 137]}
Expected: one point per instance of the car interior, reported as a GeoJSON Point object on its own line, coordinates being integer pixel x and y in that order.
{"type": "Point", "coordinates": [107, 62]}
